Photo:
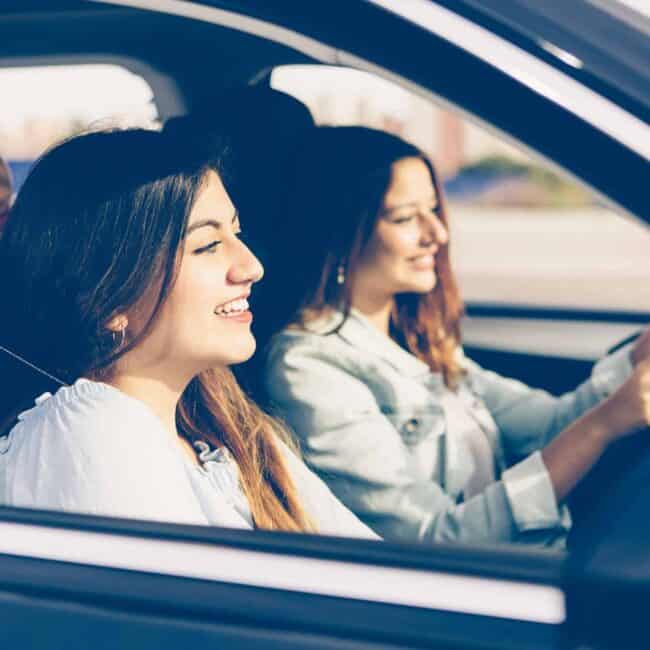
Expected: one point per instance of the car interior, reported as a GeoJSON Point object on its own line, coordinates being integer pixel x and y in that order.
{"type": "Point", "coordinates": [214, 72]}
{"type": "Point", "coordinates": [239, 98]}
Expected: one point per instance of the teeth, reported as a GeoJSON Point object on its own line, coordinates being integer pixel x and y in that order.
{"type": "Point", "coordinates": [232, 307]}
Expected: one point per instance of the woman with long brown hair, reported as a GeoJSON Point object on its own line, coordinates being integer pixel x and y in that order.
{"type": "Point", "coordinates": [124, 286]}
{"type": "Point", "coordinates": [366, 363]}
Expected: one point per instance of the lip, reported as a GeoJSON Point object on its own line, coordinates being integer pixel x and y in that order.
{"type": "Point", "coordinates": [424, 262]}
{"type": "Point", "coordinates": [244, 317]}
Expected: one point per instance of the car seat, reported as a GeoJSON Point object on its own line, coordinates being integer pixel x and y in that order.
{"type": "Point", "coordinates": [263, 127]}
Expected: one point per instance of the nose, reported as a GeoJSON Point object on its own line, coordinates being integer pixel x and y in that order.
{"type": "Point", "coordinates": [245, 267]}
{"type": "Point", "coordinates": [434, 230]}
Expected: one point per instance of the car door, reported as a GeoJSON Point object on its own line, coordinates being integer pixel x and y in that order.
{"type": "Point", "coordinates": [71, 581]}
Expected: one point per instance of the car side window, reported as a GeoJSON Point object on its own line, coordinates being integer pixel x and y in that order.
{"type": "Point", "coordinates": [523, 232]}
{"type": "Point", "coordinates": [42, 105]}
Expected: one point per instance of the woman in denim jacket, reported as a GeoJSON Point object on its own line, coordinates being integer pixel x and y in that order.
{"type": "Point", "coordinates": [367, 366]}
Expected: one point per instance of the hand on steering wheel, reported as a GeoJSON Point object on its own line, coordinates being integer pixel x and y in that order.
{"type": "Point", "coordinates": [627, 411]}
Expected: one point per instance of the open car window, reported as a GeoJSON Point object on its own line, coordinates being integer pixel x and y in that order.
{"type": "Point", "coordinates": [43, 104]}
{"type": "Point", "coordinates": [524, 232]}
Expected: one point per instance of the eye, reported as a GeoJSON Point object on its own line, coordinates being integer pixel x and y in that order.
{"type": "Point", "coordinates": [209, 248]}
{"type": "Point", "coordinates": [404, 219]}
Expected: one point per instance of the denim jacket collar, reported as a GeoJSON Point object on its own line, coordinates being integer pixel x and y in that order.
{"type": "Point", "coordinates": [363, 335]}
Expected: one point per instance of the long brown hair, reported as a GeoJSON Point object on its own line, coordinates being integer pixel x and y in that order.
{"type": "Point", "coordinates": [340, 182]}
{"type": "Point", "coordinates": [98, 223]}
{"type": "Point", "coordinates": [215, 409]}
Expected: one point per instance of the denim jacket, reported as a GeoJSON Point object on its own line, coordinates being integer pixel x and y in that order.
{"type": "Point", "coordinates": [385, 434]}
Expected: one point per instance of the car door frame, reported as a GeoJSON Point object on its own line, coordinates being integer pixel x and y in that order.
{"type": "Point", "coordinates": [261, 582]}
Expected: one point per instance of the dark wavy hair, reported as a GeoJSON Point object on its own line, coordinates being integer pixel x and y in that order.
{"type": "Point", "coordinates": [341, 178]}
{"type": "Point", "coordinates": [98, 224]}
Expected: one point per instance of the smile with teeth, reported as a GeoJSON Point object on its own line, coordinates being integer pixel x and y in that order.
{"type": "Point", "coordinates": [232, 308]}
{"type": "Point", "coordinates": [423, 262]}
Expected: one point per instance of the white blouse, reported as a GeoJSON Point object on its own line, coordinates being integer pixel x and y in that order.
{"type": "Point", "coordinates": [92, 449]}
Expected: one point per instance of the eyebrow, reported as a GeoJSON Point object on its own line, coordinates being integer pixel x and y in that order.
{"type": "Point", "coordinates": [210, 222]}
{"type": "Point", "coordinates": [412, 204]}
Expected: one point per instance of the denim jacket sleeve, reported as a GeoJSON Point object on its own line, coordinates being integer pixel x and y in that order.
{"type": "Point", "coordinates": [356, 449]}
{"type": "Point", "coordinates": [527, 418]}
{"type": "Point", "coordinates": [359, 453]}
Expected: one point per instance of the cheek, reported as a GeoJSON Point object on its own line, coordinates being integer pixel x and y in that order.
{"type": "Point", "coordinates": [196, 293]}
{"type": "Point", "coordinates": [396, 244]}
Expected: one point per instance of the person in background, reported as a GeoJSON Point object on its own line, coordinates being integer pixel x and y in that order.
{"type": "Point", "coordinates": [124, 290]}
{"type": "Point", "coordinates": [6, 189]}
{"type": "Point", "coordinates": [365, 362]}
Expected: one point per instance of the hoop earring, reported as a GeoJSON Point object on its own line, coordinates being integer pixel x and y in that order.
{"type": "Point", "coordinates": [122, 334]}
{"type": "Point", "coordinates": [340, 274]}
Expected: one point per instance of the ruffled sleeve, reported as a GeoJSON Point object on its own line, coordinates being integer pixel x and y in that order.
{"type": "Point", "coordinates": [91, 449]}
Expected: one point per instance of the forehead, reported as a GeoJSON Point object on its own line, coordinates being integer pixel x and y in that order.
{"type": "Point", "coordinates": [212, 201]}
{"type": "Point", "coordinates": [410, 179]}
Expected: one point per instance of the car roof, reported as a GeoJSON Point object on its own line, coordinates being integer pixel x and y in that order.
{"type": "Point", "coordinates": [69, 31]}
{"type": "Point", "coordinates": [602, 43]}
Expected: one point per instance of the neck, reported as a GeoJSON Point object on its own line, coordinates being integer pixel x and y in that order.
{"type": "Point", "coordinates": [377, 309]}
{"type": "Point", "coordinates": [160, 394]}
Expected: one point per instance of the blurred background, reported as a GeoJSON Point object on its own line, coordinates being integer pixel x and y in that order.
{"type": "Point", "coordinates": [523, 232]}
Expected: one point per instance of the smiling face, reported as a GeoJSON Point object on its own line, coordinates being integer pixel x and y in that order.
{"type": "Point", "coordinates": [205, 320]}
{"type": "Point", "coordinates": [400, 255]}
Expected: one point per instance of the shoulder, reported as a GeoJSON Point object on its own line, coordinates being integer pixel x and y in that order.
{"type": "Point", "coordinates": [302, 360]}
{"type": "Point", "coordinates": [84, 416]}
{"type": "Point", "coordinates": [472, 374]}
{"type": "Point", "coordinates": [293, 349]}
{"type": "Point", "coordinates": [90, 448]}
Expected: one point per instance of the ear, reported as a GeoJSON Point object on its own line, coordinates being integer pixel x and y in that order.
{"type": "Point", "coordinates": [118, 323]}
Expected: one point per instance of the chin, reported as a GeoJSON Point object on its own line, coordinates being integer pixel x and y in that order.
{"type": "Point", "coordinates": [237, 352]}
{"type": "Point", "coordinates": [241, 352]}
{"type": "Point", "coordinates": [420, 282]}
{"type": "Point", "coordinates": [422, 287]}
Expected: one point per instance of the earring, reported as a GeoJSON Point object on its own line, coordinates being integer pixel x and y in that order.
{"type": "Point", "coordinates": [117, 325]}
{"type": "Point", "coordinates": [122, 335]}
{"type": "Point", "coordinates": [340, 274]}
